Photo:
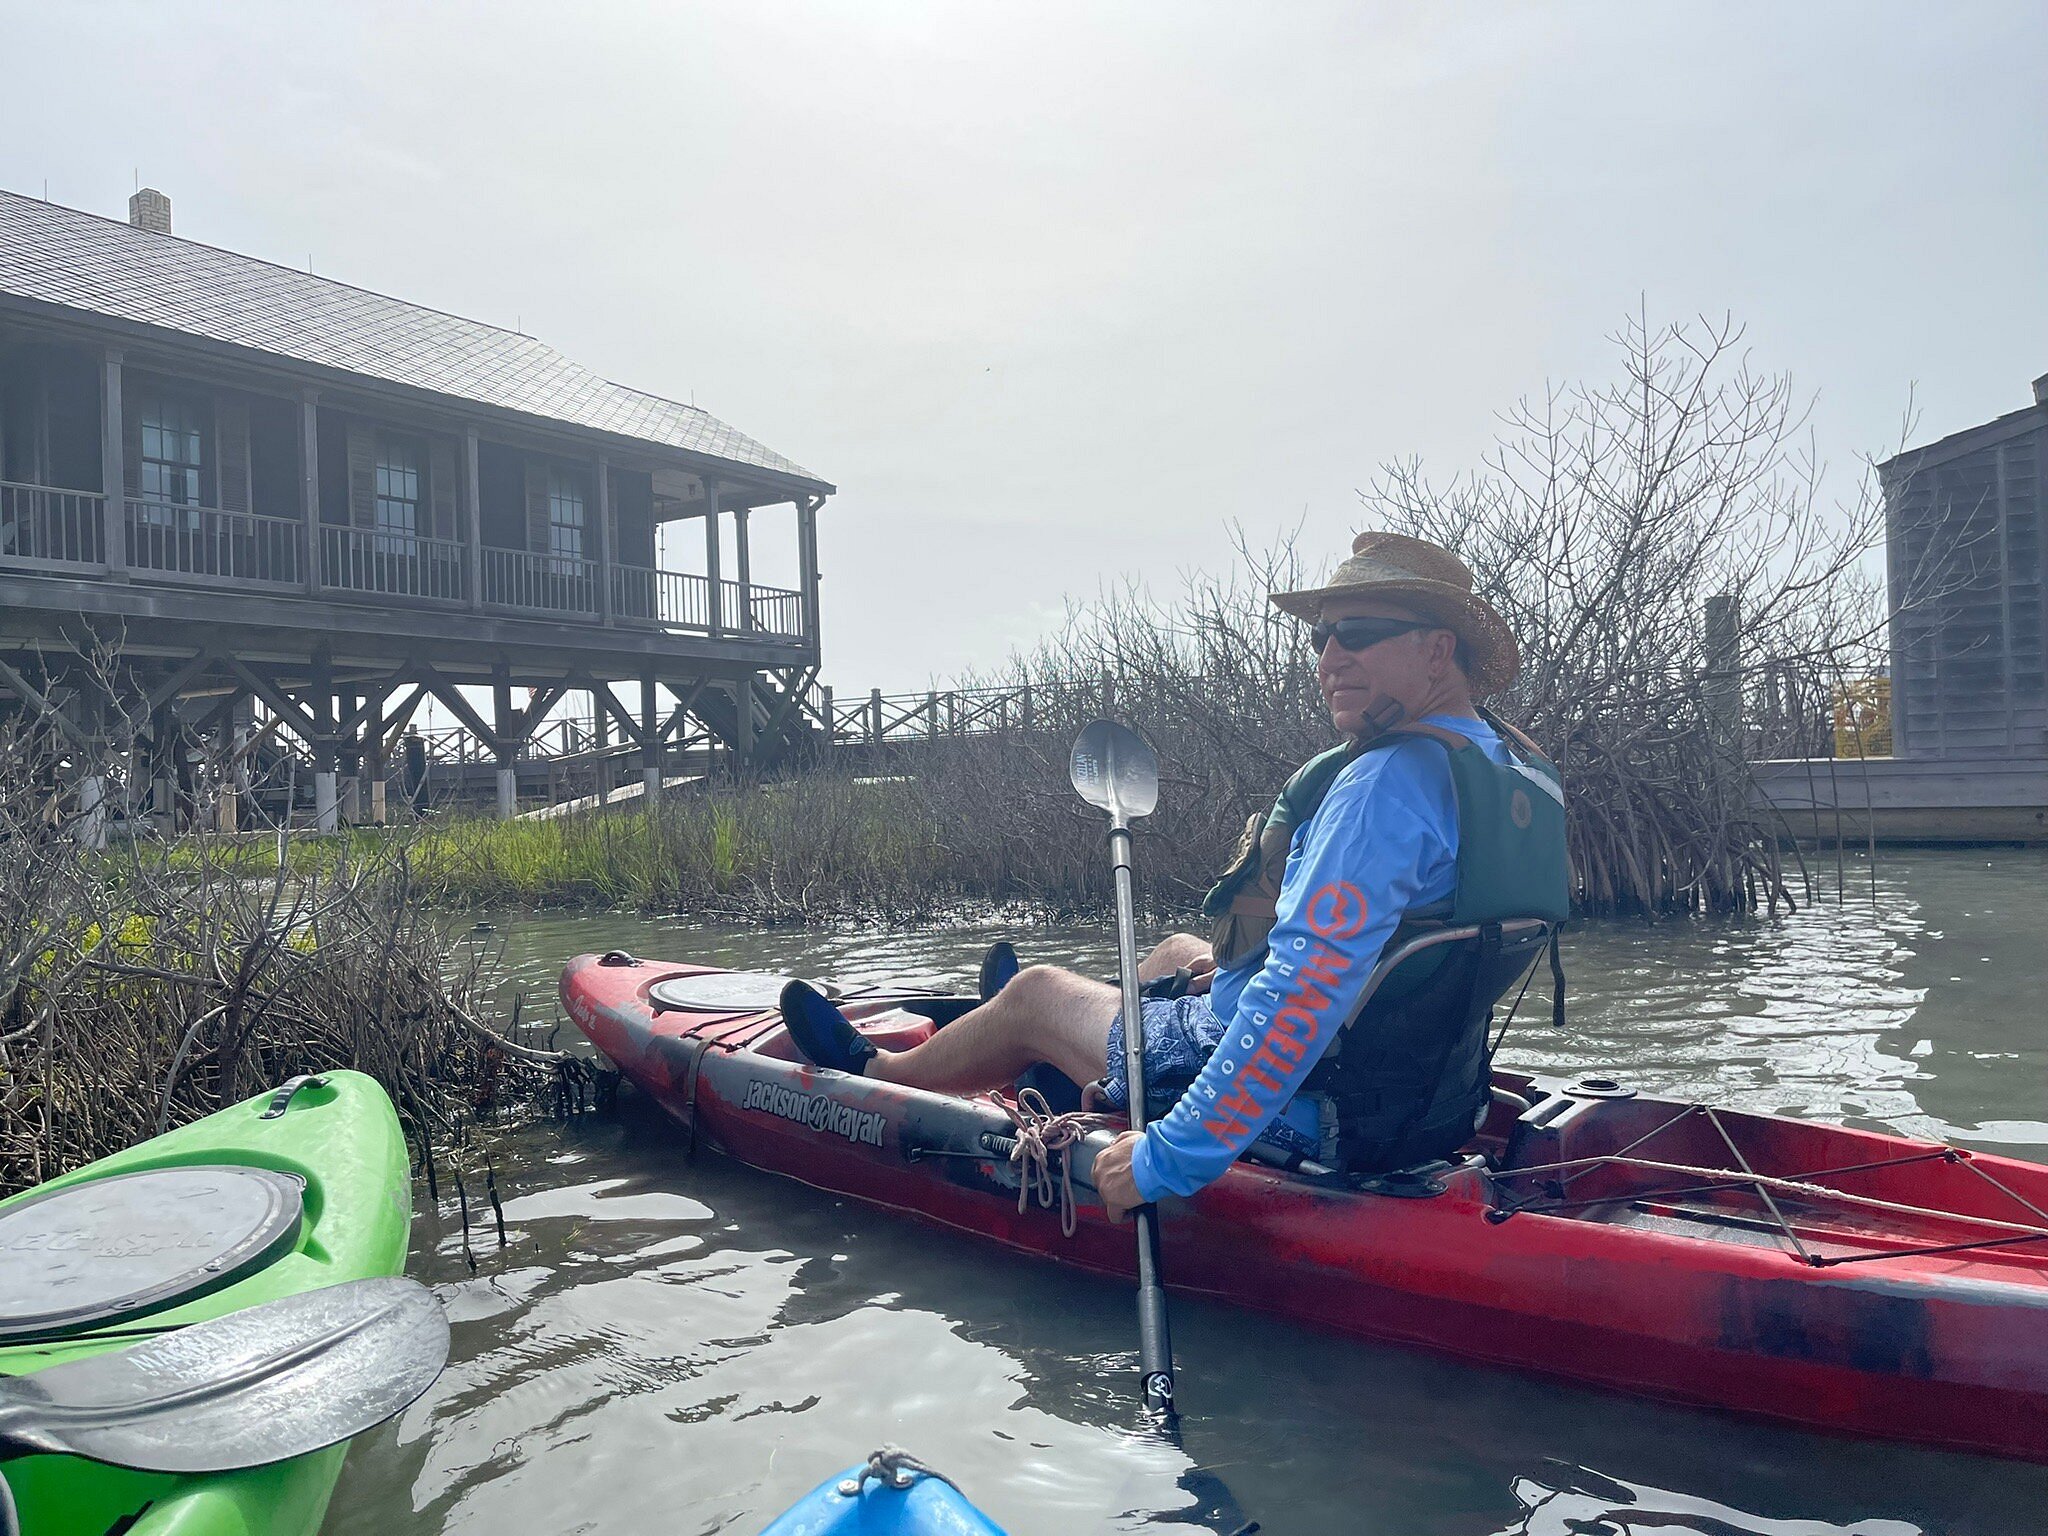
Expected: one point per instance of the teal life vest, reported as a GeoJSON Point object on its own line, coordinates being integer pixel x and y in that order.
{"type": "Point", "coordinates": [1411, 1075]}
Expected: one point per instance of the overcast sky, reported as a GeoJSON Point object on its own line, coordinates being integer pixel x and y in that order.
{"type": "Point", "coordinates": [1053, 293]}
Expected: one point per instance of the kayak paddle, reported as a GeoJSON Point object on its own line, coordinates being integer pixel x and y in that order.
{"type": "Point", "coordinates": [1115, 771]}
{"type": "Point", "coordinates": [253, 1387]}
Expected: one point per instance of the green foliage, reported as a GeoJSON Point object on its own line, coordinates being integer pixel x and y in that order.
{"type": "Point", "coordinates": [823, 847]}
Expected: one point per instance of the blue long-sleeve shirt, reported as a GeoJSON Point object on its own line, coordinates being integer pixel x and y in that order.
{"type": "Point", "coordinates": [1383, 842]}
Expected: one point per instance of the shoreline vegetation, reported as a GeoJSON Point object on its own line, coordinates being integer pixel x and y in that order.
{"type": "Point", "coordinates": [1685, 602]}
{"type": "Point", "coordinates": [152, 983]}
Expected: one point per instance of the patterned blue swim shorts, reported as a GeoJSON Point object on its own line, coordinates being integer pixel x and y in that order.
{"type": "Point", "coordinates": [1181, 1034]}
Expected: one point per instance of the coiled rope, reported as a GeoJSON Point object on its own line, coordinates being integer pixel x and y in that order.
{"type": "Point", "coordinates": [893, 1467]}
{"type": "Point", "coordinates": [1041, 1136]}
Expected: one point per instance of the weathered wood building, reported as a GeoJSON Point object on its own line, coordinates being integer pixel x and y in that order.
{"type": "Point", "coordinates": [1967, 578]}
{"type": "Point", "coordinates": [268, 488]}
{"type": "Point", "coordinates": [1965, 558]}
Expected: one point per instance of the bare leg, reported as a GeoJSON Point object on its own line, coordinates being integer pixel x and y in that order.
{"type": "Point", "coordinates": [1044, 1014]}
{"type": "Point", "coordinates": [1173, 952]}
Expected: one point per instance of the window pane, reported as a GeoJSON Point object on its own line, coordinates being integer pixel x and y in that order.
{"type": "Point", "coordinates": [398, 494]}
{"type": "Point", "coordinates": [168, 475]}
{"type": "Point", "coordinates": [565, 515]}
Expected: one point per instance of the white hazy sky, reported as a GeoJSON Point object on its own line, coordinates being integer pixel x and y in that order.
{"type": "Point", "coordinates": [1054, 292]}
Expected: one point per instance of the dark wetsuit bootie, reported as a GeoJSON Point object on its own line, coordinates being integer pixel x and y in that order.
{"type": "Point", "coordinates": [998, 967]}
{"type": "Point", "coordinates": [822, 1032]}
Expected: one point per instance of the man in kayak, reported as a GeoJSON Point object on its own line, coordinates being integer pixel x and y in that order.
{"type": "Point", "coordinates": [1425, 812]}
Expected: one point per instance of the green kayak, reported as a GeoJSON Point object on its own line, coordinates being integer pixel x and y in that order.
{"type": "Point", "coordinates": [304, 1187]}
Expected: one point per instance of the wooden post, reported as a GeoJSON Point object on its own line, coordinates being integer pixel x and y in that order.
{"type": "Point", "coordinates": [746, 567]}
{"type": "Point", "coordinates": [875, 717]}
{"type": "Point", "coordinates": [831, 728]}
{"type": "Point", "coordinates": [373, 761]}
{"type": "Point", "coordinates": [507, 749]}
{"type": "Point", "coordinates": [472, 522]}
{"type": "Point", "coordinates": [807, 562]}
{"type": "Point", "coordinates": [650, 744]}
{"type": "Point", "coordinates": [931, 716]}
{"type": "Point", "coordinates": [715, 592]}
{"type": "Point", "coordinates": [604, 540]}
{"type": "Point", "coordinates": [1721, 689]}
{"type": "Point", "coordinates": [309, 486]}
{"type": "Point", "coordinates": [326, 812]}
{"type": "Point", "coordinates": [743, 719]}
{"type": "Point", "coordinates": [351, 760]}
{"type": "Point", "coordinates": [113, 469]}
{"type": "Point", "coordinates": [601, 743]}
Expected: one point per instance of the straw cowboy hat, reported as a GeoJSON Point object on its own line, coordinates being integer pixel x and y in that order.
{"type": "Point", "coordinates": [1432, 582]}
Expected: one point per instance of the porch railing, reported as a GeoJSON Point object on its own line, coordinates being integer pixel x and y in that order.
{"type": "Point", "coordinates": [45, 528]}
{"type": "Point", "coordinates": [774, 611]}
{"type": "Point", "coordinates": [672, 599]}
{"type": "Point", "coordinates": [63, 532]}
{"type": "Point", "coordinates": [173, 542]}
{"type": "Point", "coordinates": [517, 578]}
{"type": "Point", "coordinates": [392, 564]}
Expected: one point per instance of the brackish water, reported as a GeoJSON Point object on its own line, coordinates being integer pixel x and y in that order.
{"type": "Point", "coordinates": [687, 1348]}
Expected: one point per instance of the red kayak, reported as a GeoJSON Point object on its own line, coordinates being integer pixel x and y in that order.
{"type": "Point", "coordinates": [1839, 1279]}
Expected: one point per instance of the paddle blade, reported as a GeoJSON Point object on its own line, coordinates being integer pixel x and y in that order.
{"type": "Point", "coordinates": [275, 1381]}
{"type": "Point", "coordinates": [1113, 769]}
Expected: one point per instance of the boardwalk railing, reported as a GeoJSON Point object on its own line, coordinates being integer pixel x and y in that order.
{"type": "Point", "coordinates": [883, 718]}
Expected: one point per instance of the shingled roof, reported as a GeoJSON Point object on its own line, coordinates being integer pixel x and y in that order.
{"type": "Point", "coordinates": [80, 261]}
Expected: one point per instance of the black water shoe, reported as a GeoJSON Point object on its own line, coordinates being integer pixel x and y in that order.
{"type": "Point", "coordinates": [998, 968]}
{"type": "Point", "coordinates": [822, 1032]}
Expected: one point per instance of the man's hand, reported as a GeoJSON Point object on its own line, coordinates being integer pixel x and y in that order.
{"type": "Point", "coordinates": [1113, 1179]}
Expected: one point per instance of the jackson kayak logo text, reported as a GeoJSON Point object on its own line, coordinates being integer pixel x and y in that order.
{"type": "Point", "coordinates": [861, 1126]}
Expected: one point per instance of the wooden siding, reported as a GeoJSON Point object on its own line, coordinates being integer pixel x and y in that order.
{"type": "Point", "coordinates": [1965, 562]}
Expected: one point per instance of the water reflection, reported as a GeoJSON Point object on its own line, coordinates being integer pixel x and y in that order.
{"type": "Point", "coordinates": [691, 1347]}
{"type": "Point", "coordinates": [1578, 1501]}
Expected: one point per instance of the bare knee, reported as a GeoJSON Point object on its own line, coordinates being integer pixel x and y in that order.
{"type": "Point", "coordinates": [1173, 952]}
{"type": "Point", "coordinates": [1061, 1017]}
{"type": "Point", "coordinates": [1036, 985]}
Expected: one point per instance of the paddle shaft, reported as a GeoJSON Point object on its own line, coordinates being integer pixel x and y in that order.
{"type": "Point", "coordinates": [1155, 1338]}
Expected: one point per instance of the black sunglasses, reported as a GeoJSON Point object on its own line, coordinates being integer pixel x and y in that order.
{"type": "Point", "coordinates": [1360, 634]}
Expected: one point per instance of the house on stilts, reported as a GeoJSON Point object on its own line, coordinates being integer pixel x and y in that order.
{"type": "Point", "coordinates": [292, 510]}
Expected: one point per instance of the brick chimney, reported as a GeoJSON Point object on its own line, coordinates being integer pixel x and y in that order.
{"type": "Point", "coordinates": [150, 209]}
{"type": "Point", "coordinates": [2041, 390]}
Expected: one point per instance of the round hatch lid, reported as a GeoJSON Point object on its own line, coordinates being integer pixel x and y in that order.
{"type": "Point", "coordinates": [94, 1254]}
{"type": "Point", "coordinates": [721, 992]}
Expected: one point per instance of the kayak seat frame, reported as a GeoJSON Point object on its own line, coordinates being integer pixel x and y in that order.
{"type": "Point", "coordinates": [1518, 943]}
